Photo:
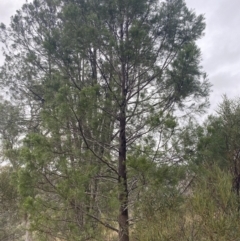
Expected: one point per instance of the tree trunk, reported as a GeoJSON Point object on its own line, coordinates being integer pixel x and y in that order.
{"type": "Point", "coordinates": [28, 233]}
{"type": "Point", "coordinates": [122, 169]}
{"type": "Point", "coordinates": [123, 188]}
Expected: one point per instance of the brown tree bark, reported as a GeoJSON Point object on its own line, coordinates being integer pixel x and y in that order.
{"type": "Point", "coordinates": [122, 168]}
{"type": "Point", "coordinates": [122, 180]}
{"type": "Point", "coordinates": [28, 233]}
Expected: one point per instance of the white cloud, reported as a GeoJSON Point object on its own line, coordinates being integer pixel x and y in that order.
{"type": "Point", "coordinates": [7, 9]}
{"type": "Point", "coordinates": [220, 45]}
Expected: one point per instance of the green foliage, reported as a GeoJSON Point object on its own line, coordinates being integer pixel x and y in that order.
{"type": "Point", "coordinates": [207, 212]}
{"type": "Point", "coordinates": [10, 214]}
{"type": "Point", "coordinates": [217, 140]}
{"type": "Point", "coordinates": [214, 206]}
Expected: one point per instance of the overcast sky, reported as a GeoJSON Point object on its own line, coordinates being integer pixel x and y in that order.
{"type": "Point", "coordinates": [220, 46]}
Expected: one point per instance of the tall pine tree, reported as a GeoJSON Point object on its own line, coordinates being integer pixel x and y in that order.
{"type": "Point", "coordinates": [101, 79]}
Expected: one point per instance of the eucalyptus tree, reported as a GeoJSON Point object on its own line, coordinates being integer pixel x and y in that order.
{"type": "Point", "coordinates": [103, 79]}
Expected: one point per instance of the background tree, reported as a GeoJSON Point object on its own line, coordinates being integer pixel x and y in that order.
{"type": "Point", "coordinates": [217, 140]}
{"type": "Point", "coordinates": [12, 127]}
{"type": "Point", "coordinates": [11, 219]}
